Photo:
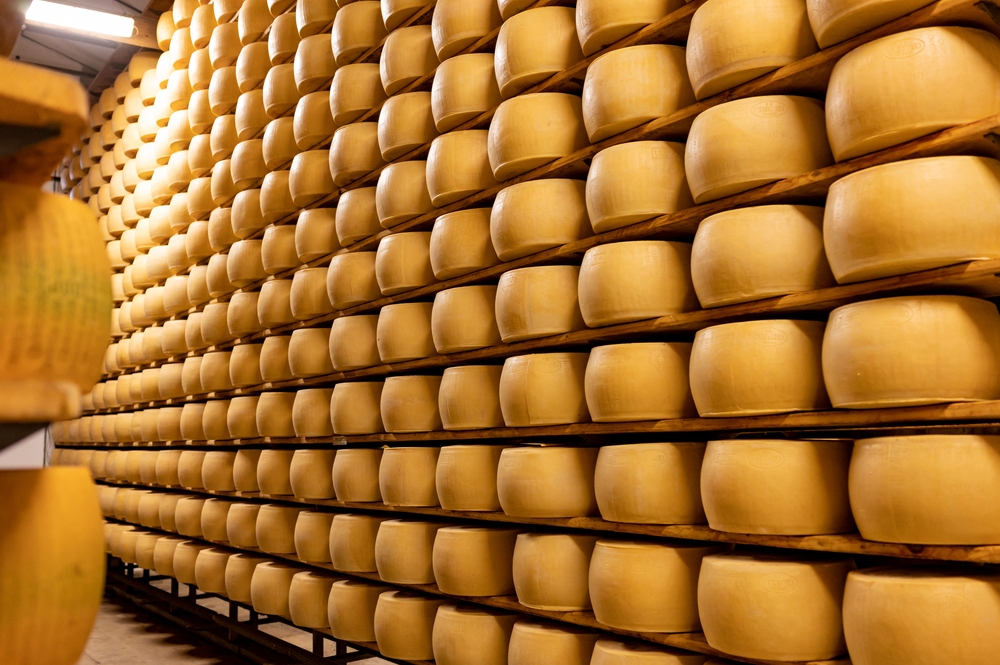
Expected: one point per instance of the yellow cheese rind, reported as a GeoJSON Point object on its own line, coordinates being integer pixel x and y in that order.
{"type": "Point", "coordinates": [547, 481]}
{"type": "Point", "coordinates": [460, 243]}
{"type": "Point", "coordinates": [611, 652]}
{"type": "Point", "coordinates": [538, 644]}
{"type": "Point", "coordinates": [457, 24]}
{"type": "Point", "coordinates": [402, 262]}
{"type": "Point", "coordinates": [351, 609]}
{"type": "Point", "coordinates": [469, 397]}
{"type": "Point", "coordinates": [600, 23]}
{"type": "Point", "coordinates": [834, 21]}
{"type": "Point", "coordinates": [406, 476]}
{"type": "Point", "coordinates": [532, 130]}
{"type": "Point", "coordinates": [538, 301]}
{"type": "Point", "coordinates": [355, 407]}
{"type": "Point", "coordinates": [650, 483]}
{"type": "Point", "coordinates": [308, 597]}
{"type": "Point", "coordinates": [239, 574]}
{"type": "Point", "coordinates": [310, 470]}
{"type": "Point", "coordinates": [550, 571]}
{"type": "Point", "coordinates": [533, 46]}
{"type": "Point", "coordinates": [241, 525]}
{"type": "Point", "coordinates": [312, 536]}
{"type": "Point", "coordinates": [269, 588]}
{"type": "Point", "coordinates": [465, 634]}
{"type": "Point", "coordinates": [646, 381]}
{"type": "Point", "coordinates": [274, 471]}
{"type": "Point", "coordinates": [529, 217]}
{"type": "Point", "coordinates": [403, 624]}
{"type": "Point", "coordinates": [544, 389]}
{"type": "Point", "coordinates": [410, 404]}
{"type": "Point", "coordinates": [464, 318]}
{"type": "Point", "coordinates": [474, 561]}
{"type": "Point", "coordinates": [464, 87]}
{"type": "Point", "coordinates": [458, 166]}
{"type": "Point", "coordinates": [356, 474]}
{"type": "Point", "coordinates": [352, 542]}
{"type": "Point", "coordinates": [210, 569]}
{"type": "Point", "coordinates": [311, 417]}
{"type": "Point", "coordinates": [276, 528]}
{"type": "Point", "coordinates": [404, 551]}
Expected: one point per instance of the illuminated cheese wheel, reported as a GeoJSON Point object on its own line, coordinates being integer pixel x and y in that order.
{"type": "Point", "coordinates": [533, 216]}
{"type": "Point", "coordinates": [758, 367]}
{"type": "Point", "coordinates": [191, 372]}
{"type": "Point", "coordinates": [274, 359]}
{"type": "Point", "coordinates": [217, 470]}
{"type": "Point", "coordinates": [402, 262]}
{"type": "Point", "coordinates": [312, 537]}
{"type": "Point", "coordinates": [469, 397]}
{"type": "Point", "coordinates": [550, 571]}
{"type": "Point", "coordinates": [532, 130]}
{"type": "Point", "coordinates": [352, 542]}
{"type": "Point", "coordinates": [351, 609]}
{"type": "Point", "coordinates": [731, 43]}
{"type": "Point", "coordinates": [274, 471]}
{"type": "Point", "coordinates": [357, 215]}
{"type": "Point", "coordinates": [645, 381]}
{"type": "Point", "coordinates": [312, 121]}
{"type": "Point", "coordinates": [539, 301]}
{"type": "Point", "coordinates": [187, 516]}
{"type": "Point", "coordinates": [163, 555]}
{"type": "Point", "coordinates": [911, 216]}
{"type": "Point", "coordinates": [315, 234]}
{"type": "Point", "coordinates": [351, 279]}
{"type": "Point", "coordinates": [215, 520]}
{"type": "Point", "coordinates": [633, 182]}
{"type": "Point", "coordinates": [215, 371]}
{"type": "Point", "coordinates": [276, 528]}
{"type": "Point", "coordinates": [168, 508]}
{"type": "Point", "coordinates": [210, 566]}
{"type": "Point", "coordinates": [748, 602]}
{"type": "Point", "coordinates": [224, 45]}
{"type": "Point", "coordinates": [214, 421]}
{"type": "Point", "coordinates": [253, 20]}
{"type": "Point", "coordinates": [650, 483]}
{"type": "Point", "coordinates": [463, 319]}
{"type": "Point", "coordinates": [241, 316]}
{"type": "Point", "coordinates": [647, 587]}
{"type": "Point", "coordinates": [907, 490]}
{"type": "Point", "coordinates": [404, 551]}
{"type": "Point", "coordinates": [167, 463]}
{"type": "Point", "coordinates": [269, 588]}
{"type": "Point", "coordinates": [356, 474]}
{"type": "Point", "coordinates": [308, 297]}
{"type": "Point", "coordinates": [458, 166]}
{"type": "Point", "coordinates": [355, 90]}
{"type": "Point", "coordinates": [403, 624]}
{"type": "Point", "coordinates": [308, 353]}
{"type": "Point", "coordinates": [192, 428]}
{"type": "Point", "coordinates": [353, 342]}
{"type": "Point", "coordinates": [407, 55]}
{"type": "Point", "coordinates": [276, 202]}
{"type": "Point", "coordinates": [357, 28]}
{"type": "Point", "coordinates": [401, 193]}
{"type": "Point", "coordinates": [536, 643]}
{"type": "Point", "coordinates": [189, 469]}
{"type": "Point", "coordinates": [280, 91]}
{"type": "Point", "coordinates": [314, 16]}
{"type": "Point", "coordinates": [889, 91]}
{"type": "Point", "coordinates": [465, 634]}
{"type": "Point", "coordinates": [239, 574]}
{"type": "Point", "coordinates": [600, 23]}
{"type": "Point", "coordinates": [466, 477]}
{"type": "Point", "coordinates": [170, 383]}
{"type": "Point", "coordinates": [310, 473]}
{"type": "Point", "coordinates": [310, 180]}
{"type": "Point", "coordinates": [223, 94]}
{"type": "Point", "coordinates": [457, 24]}
{"type": "Point", "coordinates": [544, 389]}
{"type": "Point", "coordinates": [533, 46]}
{"type": "Point", "coordinates": [311, 417]}
{"type": "Point", "coordinates": [145, 547]}
{"type": "Point", "coordinates": [396, 12]}
{"type": "Point", "coordinates": [405, 123]}
{"type": "Point", "coordinates": [307, 599]}
{"type": "Point", "coordinates": [247, 166]}
{"type": "Point", "coordinates": [834, 21]}
{"type": "Point", "coordinates": [404, 332]}
{"type": "Point", "coordinates": [283, 39]}
{"type": "Point", "coordinates": [409, 404]}
{"type": "Point", "coordinates": [354, 152]}
{"type": "Point", "coordinates": [912, 350]}
{"type": "Point", "coordinates": [474, 561]}
{"type": "Point", "coordinates": [547, 481]}
{"type": "Point", "coordinates": [245, 470]}
{"type": "Point", "coordinates": [241, 417]}
{"type": "Point", "coordinates": [314, 64]}
{"type": "Point", "coordinates": [217, 277]}
{"type": "Point", "coordinates": [464, 87]}
{"type": "Point", "coordinates": [406, 476]}
{"type": "Point", "coordinates": [241, 524]}
{"type": "Point", "coordinates": [148, 508]}
{"type": "Point", "coordinates": [754, 253]}
{"type": "Point", "coordinates": [460, 243]}
{"type": "Point", "coordinates": [244, 364]}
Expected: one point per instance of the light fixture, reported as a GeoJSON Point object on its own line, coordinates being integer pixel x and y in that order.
{"type": "Point", "coordinates": [78, 19]}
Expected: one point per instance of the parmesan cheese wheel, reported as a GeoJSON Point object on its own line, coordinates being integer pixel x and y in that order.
{"type": "Point", "coordinates": [192, 428]}
{"type": "Point", "coordinates": [352, 542]}
{"type": "Point", "coordinates": [281, 91]}
{"type": "Point", "coordinates": [244, 364]}
{"type": "Point", "coordinates": [357, 215]}
{"type": "Point", "coordinates": [241, 316]}
{"type": "Point", "coordinates": [460, 243]}
{"type": "Point", "coordinates": [469, 397]}
{"type": "Point", "coordinates": [168, 506]}
{"type": "Point", "coordinates": [217, 279]}
{"type": "Point", "coordinates": [183, 12]}
{"type": "Point", "coordinates": [224, 45]}
{"type": "Point", "coordinates": [283, 39]}
{"type": "Point", "coordinates": [167, 466]}
{"type": "Point", "coordinates": [911, 69]}
{"type": "Point", "coordinates": [458, 166]}
{"type": "Point", "coordinates": [758, 367]}
{"type": "Point", "coordinates": [356, 474]}
{"type": "Point", "coordinates": [402, 262]}
{"type": "Point", "coordinates": [401, 193]}
{"type": "Point", "coordinates": [270, 586]}
{"type": "Point", "coordinates": [464, 634]}
{"type": "Point", "coordinates": [351, 609]}
{"type": "Point", "coordinates": [313, 121]}
{"type": "Point", "coordinates": [536, 643]}
{"type": "Point", "coordinates": [357, 28]}
{"type": "Point", "coordinates": [275, 204]}
{"type": "Point", "coordinates": [245, 470]}
{"type": "Point", "coordinates": [354, 152]}
{"type": "Point", "coordinates": [247, 166]}
{"type": "Point", "coordinates": [464, 87]}
{"type": "Point", "coordinates": [315, 234]}
{"type": "Point", "coordinates": [403, 624]}
{"type": "Point", "coordinates": [533, 216]}
{"type": "Point", "coordinates": [747, 604]}
{"type": "Point", "coordinates": [910, 216]}
{"type": "Point", "coordinates": [354, 342]}
{"type": "Point", "coordinates": [308, 353]}
{"type": "Point", "coordinates": [223, 138]}
{"type": "Point", "coordinates": [274, 359]}
{"type": "Point", "coordinates": [254, 19]}
{"type": "Point", "coordinates": [214, 520]}
{"type": "Point", "coordinates": [537, 302]}
{"type": "Point", "coordinates": [145, 547]}
{"type": "Point", "coordinates": [314, 16]}
{"type": "Point", "coordinates": [223, 94]}
{"type": "Point", "coordinates": [532, 130]}
{"type": "Point", "coordinates": [633, 182]}
{"type": "Point", "coordinates": [274, 471]}
{"type": "Point", "coordinates": [239, 573]}
{"type": "Point", "coordinates": [311, 417]}
{"type": "Point", "coordinates": [187, 515]}
{"type": "Point", "coordinates": [274, 308]}
{"type": "Point", "coordinates": [404, 332]}
{"type": "Point", "coordinates": [550, 571]}
{"type": "Point", "coordinates": [600, 23]}
{"type": "Point", "coordinates": [170, 383]}
{"type": "Point", "coordinates": [312, 538]}
{"type": "Point", "coordinates": [214, 421]}
{"type": "Point", "coordinates": [405, 123]}
{"type": "Point", "coordinates": [215, 371]}
{"type": "Point", "coordinates": [168, 424]}
{"type": "Point", "coordinates": [407, 476]}
{"type": "Point", "coordinates": [650, 483]}
{"type": "Point", "coordinates": [189, 470]}
{"type": "Point", "coordinates": [834, 21]}
{"type": "Point", "coordinates": [351, 279]}
{"type": "Point", "coordinates": [191, 372]}
{"type": "Point", "coordinates": [544, 389]}
{"type": "Point", "coordinates": [912, 350]}
{"type": "Point", "coordinates": [308, 297]}
{"type": "Point", "coordinates": [241, 525]}
{"type": "Point", "coordinates": [463, 319]}
{"type": "Point", "coordinates": [457, 25]}
{"type": "Point", "coordinates": [276, 528]}
{"type": "Point", "coordinates": [731, 43]}
{"type": "Point", "coordinates": [905, 489]}
{"type": "Point", "coordinates": [175, 301]}
{"type": "Point", "coordinates": [896, 616]}
{"type": "Point", "coordinates": [547, 481]}
{"type": "Point", "coordinates": [474, 561]}
{"type": "Point", "coordinates": [771, 138]}
{"type": "Point", "coordinates": [647, 587]}
{"type": "Point", "coordinates": [163, 555]}
{"type": "Point", "coordinates": [241, 417]}
{"type": "Point", "coordinates": [355, 90]}
{"type": "Point", "coordinates": [148, 508]}
{"type": "Point", "coordinates": [217, 470]}
{"type": "Point", "coordinates": [409, 404]}
{"type": "Point", "coordinates": [404, 551]}
{"type": "Point", "coordinates": [777, 486]}
{"type": "Point", "coordinates": [407, 56]}
{"type": "Point", "coordinates": [307, 599]}
{"type": "Point", "coordinates": [309, 179]}
{"type": "Point", "coordinates": [210, 566]}
{"type": "Point", "coordinates": [646, 381]}
{"type": "Point", "coordinates": [466, 477]}
{"type": "Point", "coordinates": [533, 46]}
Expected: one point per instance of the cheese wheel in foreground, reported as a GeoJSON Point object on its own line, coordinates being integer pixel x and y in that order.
{"type": "Point", "coordinates": [544, 389]}
{"type": "Point", "coordinates": [308, 354]}
{"type": "Point", "coordinates": [269, 588]}
{"type": "Point", "coordinates": [401, 193]}
{"type": "Point", "coordinates": [912, 350]}
{"type": "Point", "coordinates": [913, 215]}
{"type": "Point", "coordinates": [404, 332]}
{"type": "Point", "coordinates": [351, 279]}
{"type": "Point", "coordinates": [311, 416]}
{"type": "Point", "coordinates": [777, 486]}
{"type": "Point", "coordinates": [312, 536]}
{"type": "Point", "coordinates": [740, 145]}
{"type": "Point", "coordinates": [538, 301]}
{"type": "Point", "coordinates": [351, 609]}
{"type": "Point", "coordinates": [460, 243]}
{"type": "Point", "coordinates": [210, 570]}
{"type": "Point", "coordinates": [535, 129]}
{"type": "Point", "coordinates": [241, 524]}
{"type": "Point", "coordinates": [354, 342]}
{"type": "Point", "coordinates": [469, 397]}
{"type": "Point", "coordinates": [50, 532]}
{"type": "Point", "coordinates": [355, 407]}
{"type": "Point", "coordinates": [407, 56]}
{"type": "Point", "coordinates": [758, 367]}
{"type": "Point", "coordinates": [646, 381]}
{"type": "Point", "coordinates": [533, 46]}
{"type": "Point", "coordinates": [547, 481]}
{"type": "Point", "coordinates": [352, 542]}
{"type": "Point", "coordinates": [834, 21]}
{"type": "Point", "coordinates": [403, 624]}
{"type": "Point", "coordinates": [274, 471]}
{"type": "Point", "coordinates": [406, 476]}
{"type": "Point", "coordinates": [465, 634]}
{"type": "Point", "coordinates": [922, 616]}
{"type": "Point", "coordinates": [239, 575]}
{"type": "Point", "coordinates": [904, 86]}
{"type": "Point", "coordinates": [611, 652]}
{"type": "Point", "coordinates": [630, 281]}
{"type": "Point", "coordinates": [600, 23]}
{"type": "Point", "coordinates": [464, 87]}
{"type": "Point", "coordinates": [404, 550]}
{"type": "Point", "coordinates": [276, 528]}
{"type": "Point", "coordinates": [774, 607]}
{"type": "Point", "coordinates": [409, 404]}
{"type": "Point", "coordinates": [355, 474]}
{"type": "Point", "coordinates": [539, 644]}
{"type": "Point", "coordinates": [464, 318]}
{"type": "Point", "coordinates": [532, 216]}
{"type": "Point", "coordinates": [649, 483]}
{"type": "Point", "coordinates": [310, 471]}
{"type": "Point", "coordinates": [474, 561]}
{"type": "Point", "coordinates": [930, 490]}
{"type": "Point", "coordinates": [308, 596]}
{"type": "Point", "coordinates": [550, 571]}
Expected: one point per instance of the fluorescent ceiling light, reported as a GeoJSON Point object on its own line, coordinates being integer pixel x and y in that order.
{"type": "Point", "coordinates": [77, 19]}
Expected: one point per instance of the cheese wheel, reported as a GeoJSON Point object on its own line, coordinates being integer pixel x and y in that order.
{"type": "Point", "coordinates": [650, 483]}
{"type": "Point", "coordinates": [276, 203]}
{"type": "Point", "coordinates": [910, 216]}
{"type": "Point", "coordinates": [214, 421]}
{"type": "Point", "coordinates": [170, 384]}
{"type": "Point", "coordinates": [241, 417]}
{"type": "Point", "coordinates": [464, 87]}
{"type": "Point", "coordinates": [351, 609]}
{"type": "Point", "coordinates": [168, 425]}
{"type": "Point", "coordinates": [315, 234]}
{"type": "Point", "coordinates": [254, 18]}
{"type": "Point", "coordinates": [401, 193]}
{"type": "Point", "coordinates": [533, 216]}
{"type": "Point", "coordinates": [409, 404]}
{"type": "Point", "coordinates": [311, 417]}
{"type": "Point", "coordinates": [645, 381]}
{"type": "Point", "coordinates": [404, 332]}
{"type": "Point", "coordinates": [223, 95]}
{"type": "Point", "coordinates": [274, 472]}
{"type": "Point", "coordinates": [466, 477]}
{"type": "Point", "coordinates": [276, 528]}
{"type": "Point", "coordinates": [403, 624]}
{"type": "Point", "coordinates": [241, 524]}
{"type": "Point", "coordinates": [469, 397]}
{"type": "Point", "coordinates": [192, 428]}
{"type": "Point", "coordinates": [463, 319]}
{"type": "Point", "coordinates": [538, 302]}
{"type": "Point", "coordinates": [834, 21]}
{"type": "Point", "coordinates": [210, 566]}
{"type": "Point", "coordinates": [215, 520]}
{"type": "Point", "coordinates": [917, 615]}
{"type": "Point", "coordinates": [283, 39]}
{"type": "Point", "coordinates": [308, 296]}
{"type": "Point", "coordinates": [474, 561]}
{"type": "Point", "coordinates": [241, 316]}
{"type": "Point", "coordinates": [167, 463]}
{"type": "Point", "coordinates": [404, 551]}
{"type": "Point", "coordinates": [633, 182]}
{"type": "Point", "coordinates": [537, 643]}
{"type": "Point", "coordinates": [189, 469]}
{"type": "Point", "coordinates": [402, 262]}
{"type": "Point", "coordinates": [758, 367]}
{"type": "Point", "coordinates": [168, 507]}
{"type": "Point", "coordinates": [357, 28]}
{"type": "Point", "coordinates": [912, 350]}
{"type": "Point", "coordinates": [465, 634]}
{"type": "Point", "coordinates": [270, 585]}
{"type": "Point", "coordinates": [312, 536]}
{"type": "Point", "coordinates": [458, 166]}
{"type": "Point", "coordinates": [356, 474]}
{"type": "Point", "coordinates": [247, 166]}
{"type": "Point", "coordinates": [406, 476]}
{"type": "Point", "coordinates": [280, 92]}
{"type": "Point", "coordinates": [911, 69]}
{"type": "Point", "coordinates": [771, 138]}
{"type": "Point", "coordinates": [352, 542]}
{"type": "Point", "coordinates": [355, 90]}
{"type": "Point", "coordinates": [533, 46]}
{"type": "Point", "coordinates": [175, 301]}
{"type": "Point", "coordinates": [245, 470]}
{"type": "Point", "coordinates": [313, 121]}
{"type": "Point", "coordinates": [239, 574]}
{"type": "Point", "coordinates": [215, 371]}
{"type": "Point", "coordinates": [405, 123]}
{"type": "Point", "coordinates": [600, 23]}
{"type": "Point", "coordinates": [460, 243]}
{"type": "Point", "coordinates": [888, 506]}
{"type": "Point", "coordinates": [354, 152]}
{"type": "Point", "coordinates": [224, 46]}
{"type": "Point", "coordinates": [145, 546]}
{"type": "Point", "coordinates": [191, 372]}
{"type": "Point", "coordinates": [777, 486]}
{"type": "Point", "coordinates": [407, 56]}
{"type": "Point", "coordinates": [244, 364]}
{"type": "Point", "coordinates": [308, 353]}
{"type": "Point", "coordinates": [217, 279]}
{"type": "Point", "coordinates": [274, 359]}
{"type": "Point", "coordinates": [547, 481]}
{"type": "Point", "coordinates": [307, 599]}
{"type": "Point", "coordinates": [309, 179]}
{"type": "Point", "coordinates": [217, 470]}
{"type": "Point", "coordinates": [747, 604]}
{"type": "Point", "coordinates": [521, 134]}
{"type": "Point", "coordinates": [163, 555]}
{"type": "Point", "coordinates": [353, 342]}
{"type": "Point", "coordinates": [314, 16]}
{"type": "Point", "coordinates": [148, 508]}
{"type": "Point", "coordinates": [544, 389]}
{"type": "Point", "coordinates": [187, 516]}
{"type": "Point", "coordinates": [550, 571]}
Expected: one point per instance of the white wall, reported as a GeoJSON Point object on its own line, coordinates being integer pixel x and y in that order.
{"type": "Point", "coordinates": [28, 453]}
